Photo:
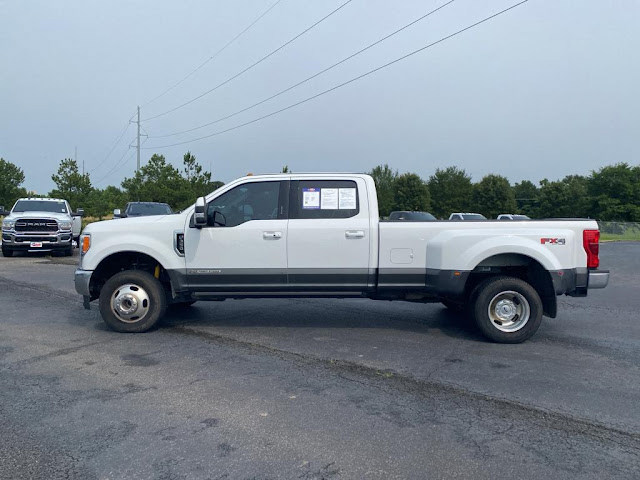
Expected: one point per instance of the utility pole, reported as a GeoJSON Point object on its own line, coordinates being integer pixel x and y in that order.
{"type": "Point", "coordinates": [75, 159]}
{"type": "Point", "coordinates": [138, 142]}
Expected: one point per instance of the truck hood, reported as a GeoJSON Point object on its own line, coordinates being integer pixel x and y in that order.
{"type": "Point", "coordinates": [62, 217]}
{"type": "Point", "coordinates": [131, 224]}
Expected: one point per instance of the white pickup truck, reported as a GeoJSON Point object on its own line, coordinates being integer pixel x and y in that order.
{"type": "Point", "coordinates": [319, 235]}
{"type": "Point", "coordinates": [40, 225]}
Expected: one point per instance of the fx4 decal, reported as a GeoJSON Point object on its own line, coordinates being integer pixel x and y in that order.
{"type": "Point", "coordinates": [552, 241]}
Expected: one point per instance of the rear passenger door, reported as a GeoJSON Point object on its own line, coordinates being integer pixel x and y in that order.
{"type": "Point", "coordinates": [328, 238]}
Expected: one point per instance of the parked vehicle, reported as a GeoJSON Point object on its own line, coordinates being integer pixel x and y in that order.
{"type": "Point", "coordinates": [143, 209]}
{"type": "Point", "coordinates": [320, 236]}
{"type": "Point", "coordinates": [41, 225]}
{"type": "Point", "coordinates": [466, 216]}
{"type": "Point", "coordinates": [512, 216]}
{"type": "Point", "coordinates": [405, 216]}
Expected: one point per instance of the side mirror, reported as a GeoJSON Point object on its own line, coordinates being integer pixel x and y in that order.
{"type": "Point", "coordinates": [2, 212]}
{"type": "Point", "coordinates": [200, 216]}
{"type": "Point", "coordinates": [79, 213]}
{"type": "Point", "coordinates": [116, 213]}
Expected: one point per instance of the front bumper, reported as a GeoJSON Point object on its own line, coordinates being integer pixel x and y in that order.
{"type": "Point", "coordinates": [82, 280]}
{"type": "Point", "coordinates": [47, 241]}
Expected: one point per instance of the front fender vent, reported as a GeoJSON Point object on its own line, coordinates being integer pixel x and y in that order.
{"type": "Point", "coordinates": [178, 243]}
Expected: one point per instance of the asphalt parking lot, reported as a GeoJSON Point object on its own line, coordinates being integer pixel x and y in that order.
{"type": "Point", "coordinates": [315, 388]}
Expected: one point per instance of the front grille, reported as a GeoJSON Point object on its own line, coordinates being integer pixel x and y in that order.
{"type": "Point", "coordinates": [36, 225]}
{"type": "Point", "coordinates": [33, 238]}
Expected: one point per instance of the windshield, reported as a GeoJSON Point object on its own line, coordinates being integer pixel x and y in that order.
{"type": "Point", "coordinates": [39, 206]}
{"type": "Point", "coordinates": [473, 216]}
{"type": "Point", "coordinates": [142, 209]}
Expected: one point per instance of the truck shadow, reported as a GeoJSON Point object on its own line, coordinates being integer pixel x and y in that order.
{"type": "Point", "coordinates": [318, 314]}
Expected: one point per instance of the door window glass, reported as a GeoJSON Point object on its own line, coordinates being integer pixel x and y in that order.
{"type": "Point", "coordinates": [249, 201]}
{"type": "Point", "coordinates": [324, 199]}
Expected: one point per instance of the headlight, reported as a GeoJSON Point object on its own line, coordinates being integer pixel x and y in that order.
{"type": "Point", "coordinates": [8, 224]}
{"type": "Point", "coordinates": [64, 225]}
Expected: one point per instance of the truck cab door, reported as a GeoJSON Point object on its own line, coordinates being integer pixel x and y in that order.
{"type": "Point", "coordinates": [243, 247]}
{"type": "Point", "coordinates": [329, 236]}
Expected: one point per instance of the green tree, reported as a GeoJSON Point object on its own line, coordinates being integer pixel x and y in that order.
{"type": "Point", "coordinates": [385, 180]}
{"type": "Point", "coordinates": [12, 177]}
{"type": "Point", "coordinates": [71, 184]}
{"type": "Point", "coordinates": [411, 193]}
{"type": "Point", "coordinates": [526, 194]}
{"type": "Point", "coordinates": [451, 190]}
{"type": "Point", "coordinates": [159, 181]}
{"type": "Point", "coordinates": [493, 195]}
{"type": "Point", "coordinates": [103, 202]}
{"type": "Point", "coordinates": [614, 193]}
{"type": "Point", "coordinates": [198, 179]}
{"type": "Point", "coordinates": [566, 198]}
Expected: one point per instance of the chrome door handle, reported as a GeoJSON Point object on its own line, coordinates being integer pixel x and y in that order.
{"type": "Point", "coordinates": [271, 235]}
{"type": "Point", "coordinates": [354, 234]}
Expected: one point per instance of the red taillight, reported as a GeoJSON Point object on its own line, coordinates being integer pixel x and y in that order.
{"type": "Point", "coordinates": [590, 239]}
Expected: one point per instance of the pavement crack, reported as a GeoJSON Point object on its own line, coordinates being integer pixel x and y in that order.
{"type": "Point", "coordinates": [396, 382]}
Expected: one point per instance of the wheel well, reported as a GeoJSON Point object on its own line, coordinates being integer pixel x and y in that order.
{"type": "Point", "coordinates": [121, 261]}
{"type": "Point", "coordinates": [520, 266]}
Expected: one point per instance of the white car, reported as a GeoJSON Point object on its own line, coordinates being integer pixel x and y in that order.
{"type": "Point", "coordinates": [512, 216]}
{"type": "Point", "coordinates": [466, 216]}
{"type": "Point", "coordinates": [41, 225]}
{"type": "Point", "coordinates": [320, 235]}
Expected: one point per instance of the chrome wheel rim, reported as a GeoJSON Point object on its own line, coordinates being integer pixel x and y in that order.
{"type": "Point", "coordinates": [130, 303]}
{"type": "Point", "coordinates": [509, 311]}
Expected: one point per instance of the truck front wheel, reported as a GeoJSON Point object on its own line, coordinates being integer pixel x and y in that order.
{"type": "Point", "coordinates": [507, 309]}
{"type": "Point", "coordinates": [132, 301]}
{"type": "Point", "coordinates": [7, 252]}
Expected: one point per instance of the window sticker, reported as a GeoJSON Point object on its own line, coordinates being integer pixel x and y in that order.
{"type": "Point", "coordinates": [329, 198]}
{"type": "Point", "coordinates": [347, 198]}
{"type": "Point", "coordinates": [310, 198]}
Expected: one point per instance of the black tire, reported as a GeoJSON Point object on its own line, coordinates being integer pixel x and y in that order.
{"type": "Point", "coordinates": [6, 252]}
{"type": "Point", "coordinates": [132, 301]}
{"type": "Point", "coordinates": [69, 251]}
{"type": "Point", "coordinates": [507, 309]}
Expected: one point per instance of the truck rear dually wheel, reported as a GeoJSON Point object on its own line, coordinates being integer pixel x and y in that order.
{"type": "Point", "coordinates": [507, 309]}
{"type": "Point", "coordinates": [132, 301]}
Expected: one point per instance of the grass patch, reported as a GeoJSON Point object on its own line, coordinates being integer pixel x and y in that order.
{"type": "Point", "coordinates": [628, 236]}
{"type": "Point", "coordinates": [87, 220]}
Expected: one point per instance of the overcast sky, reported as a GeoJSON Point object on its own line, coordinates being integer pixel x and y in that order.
{"type": "Point", "coordinates": [548, 89]}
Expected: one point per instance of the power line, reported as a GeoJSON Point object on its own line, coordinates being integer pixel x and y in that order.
{"type": "Point", "coordinates": [214, 55]}
{"type": "Point", "coordinates": [250, 66]}
{"type": "Point", "coordinates": [308, 78]}
{"type": "Point", "coordinates": [118, 163]}
{"type": "Point", "coordinates": [486, 19]}
{"type": "Point", "coordinates": [124, 130]}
